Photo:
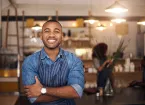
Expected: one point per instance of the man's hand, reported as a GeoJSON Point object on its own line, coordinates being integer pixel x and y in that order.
{"type": "Point", "coordinates": [33, 90]}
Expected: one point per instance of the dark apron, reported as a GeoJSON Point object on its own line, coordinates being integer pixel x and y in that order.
{"type": "Point", "coordinates": [54, 75]}
{"type": "Point", "coordinates": [103, 75]}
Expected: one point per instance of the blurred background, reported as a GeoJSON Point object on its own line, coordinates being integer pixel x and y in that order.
{"type": "Point", "coordinates": [85, 24]}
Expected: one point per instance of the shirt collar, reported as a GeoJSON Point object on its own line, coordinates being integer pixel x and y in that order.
{"type": "Point", "coordinates": [44, 55]}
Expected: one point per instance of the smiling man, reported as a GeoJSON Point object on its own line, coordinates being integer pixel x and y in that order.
{"type": "Point", "coordinates": [52, 76]}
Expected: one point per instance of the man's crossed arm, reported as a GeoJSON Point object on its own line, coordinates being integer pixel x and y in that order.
{"type": "Point", "coordinates": [52, 94]}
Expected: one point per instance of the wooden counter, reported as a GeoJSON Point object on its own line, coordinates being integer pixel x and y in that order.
{"type": "Point", "coordinates": [121, 78]}
{"type": "Point", "coordinates": [125, 96]}
{"type": "Point", "coordinates": [8, 80]}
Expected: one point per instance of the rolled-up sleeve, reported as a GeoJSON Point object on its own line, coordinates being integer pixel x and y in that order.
{"type": "Point", "coordinates": [76, 77]}
{"type": "Point", "coordinates": [28, 75]}
{"type": "Point", "coordinates": [78, 89]}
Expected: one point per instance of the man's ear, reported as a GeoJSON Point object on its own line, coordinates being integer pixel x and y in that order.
{"type": "Point", "coordinates": [62, 36]}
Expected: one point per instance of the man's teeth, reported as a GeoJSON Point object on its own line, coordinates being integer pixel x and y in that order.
{"type": "Point", "coordinates": [51, 41]}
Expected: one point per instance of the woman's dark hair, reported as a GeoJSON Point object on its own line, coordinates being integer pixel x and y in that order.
{"type": "Point", "coordinates": [99, 51]}
{"type": "Point", "coordinates": [144, 58]}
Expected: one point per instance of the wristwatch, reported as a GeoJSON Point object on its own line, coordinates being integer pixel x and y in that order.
{"type": "Point", "coordinates": [43, 90]}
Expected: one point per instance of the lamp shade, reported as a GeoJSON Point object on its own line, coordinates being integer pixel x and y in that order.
{"type": "Point", "coordinates": [36, 27]}
{"type": "Point", "coordinates": [91, 20]}
{"type": "Point", "coordinates": [116, 8]}
{"type": "Point", "coordinates": [101, 27]}
{"type": "Point", "coordinates": [29, 22]}
{"type": "Point", "coordinates": [118, 20]}
{"type": "Point", "coordinates": [141, 22]}
{"type": "Point", "coordinates": [121, 29]}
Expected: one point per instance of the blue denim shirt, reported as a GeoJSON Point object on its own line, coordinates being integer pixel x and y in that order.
{"type": "Point", "coordinates": [75, 76]}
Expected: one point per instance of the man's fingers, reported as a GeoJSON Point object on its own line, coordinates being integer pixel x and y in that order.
{"type": "Point", "coordinates": [26, 90]}
{"type": "Point", "coordinates": [37, 81]}
{"type": "Point", "coordinates": [28, 93]}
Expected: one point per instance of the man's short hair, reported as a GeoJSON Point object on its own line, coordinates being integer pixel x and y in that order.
{"type": "Point", "coordinates": [51, 21]}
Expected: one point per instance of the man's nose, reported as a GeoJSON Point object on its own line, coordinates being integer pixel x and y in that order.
{"type": "Point", "coordinates": [52, 34]}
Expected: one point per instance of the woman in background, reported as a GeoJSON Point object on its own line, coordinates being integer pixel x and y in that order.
{"type": "Point", "coordinates": [143, 69]}
{"type": "Point", "coordinates": [102, 65]}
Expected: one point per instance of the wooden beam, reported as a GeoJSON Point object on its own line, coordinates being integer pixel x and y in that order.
{"type": "Point", "coordinates": [23, 29]}
{"type": "Point", "coordinates": [69, 18]}
{"type": "Point", "coordinates": [7, 28]}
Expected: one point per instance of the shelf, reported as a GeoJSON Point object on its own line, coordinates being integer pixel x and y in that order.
{"type": "Point", "coordinates": [135, 72]}
{"type": "Point", "coordinates": [78, 39]}
{"type": "Point", "coordinates": [73, 43]}
{"type": "Point", "coordinates": [76, 27]}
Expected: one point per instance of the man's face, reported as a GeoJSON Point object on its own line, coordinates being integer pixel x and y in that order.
{"type": "Point", "coordinates": [51, 35]}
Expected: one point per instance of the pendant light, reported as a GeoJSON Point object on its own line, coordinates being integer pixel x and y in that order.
{"type": "Point", "coordinates": [101, 27]}
{"type": "Point", "coordinates": [118, 20]}
{"type": "Point", "coordinates": [142, 22]}
{"type": "Point", "coordinates": [36, 27]}
{"type": "Point", "coordinates": [91, 19]}
{"type": "Point", "coordinates": [116, 7]}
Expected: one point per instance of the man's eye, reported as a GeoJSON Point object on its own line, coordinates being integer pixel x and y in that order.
{"type": "Point", "coordinates": [56, 31]}
{"type": "Point", "coordinates": [47, 31]}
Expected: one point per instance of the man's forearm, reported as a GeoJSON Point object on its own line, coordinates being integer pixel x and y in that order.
{"type": "Point", "coordinates": [46, 98]}
{"type": "Point", "coordinates": [62, 92]}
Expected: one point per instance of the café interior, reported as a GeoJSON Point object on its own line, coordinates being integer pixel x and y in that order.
{"type": "Point", "coordinates": [118, 23]}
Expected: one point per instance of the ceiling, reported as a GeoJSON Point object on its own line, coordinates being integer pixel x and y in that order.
{"type": "Point", "coordinates": [135, 7]}
{"type": "Point", "coordinates": [82, 2]}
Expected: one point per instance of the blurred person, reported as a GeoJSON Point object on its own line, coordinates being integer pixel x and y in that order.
{"type": "Point", "coordinates": [102, 64]}
{"type": "Point", "coordinates": [143, 69]}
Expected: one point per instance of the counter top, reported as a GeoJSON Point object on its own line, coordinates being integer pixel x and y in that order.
{"type": "Point", "coordinates": [123, 96]}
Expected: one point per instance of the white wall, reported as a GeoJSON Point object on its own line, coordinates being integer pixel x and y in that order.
{"type": "Point", "coordinates": [98, 9]}
{"type": "Point", "coordinates": [109, 36]}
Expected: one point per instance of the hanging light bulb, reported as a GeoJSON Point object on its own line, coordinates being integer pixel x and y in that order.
{"type": "Point", "coordinates": [36, 27]}
{"type": "Point", "coordinates": [101, 27]}
{"type": "Point", "coordinates": [116, 8]}
{"type": "Point", "coordinates": [119, 20]}
{"type": "Point", "coordinates": [91, 21]}
{"type": "Point", "coordinates": [141, 22]}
